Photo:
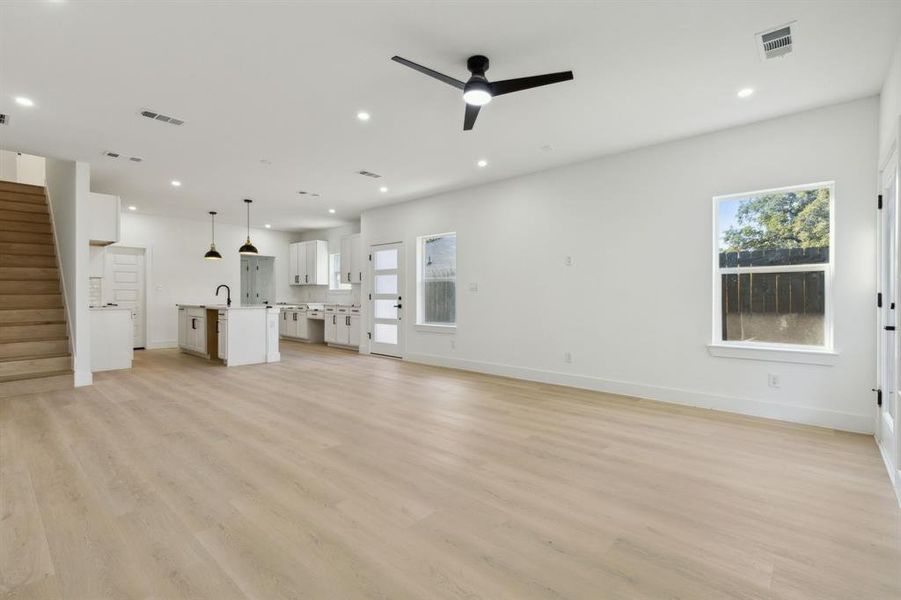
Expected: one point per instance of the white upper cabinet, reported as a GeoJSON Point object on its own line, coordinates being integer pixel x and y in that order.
{"type": "Point", "coordinates": [309, 263]}
{"type": "Point", "coordinates": [105, 216]}
{"type": "Point", "coordinates": [352, 259]}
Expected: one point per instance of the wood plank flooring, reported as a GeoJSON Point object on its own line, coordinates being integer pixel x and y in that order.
{"type": "Point", "coordinates": [333, 475]}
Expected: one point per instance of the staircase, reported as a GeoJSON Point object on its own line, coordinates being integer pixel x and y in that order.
{"type": "Point", "coordinates": [34, 343]}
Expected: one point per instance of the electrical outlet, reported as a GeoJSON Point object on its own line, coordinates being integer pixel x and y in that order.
{"type": "Point", "coordinates": [567, 357]}
{"type": "Point", "coordinates": [453, 344]}
{"type": "Point", "coordinates": [473, 287]}
{"type": "Point", "coordinates": [773, 380]}
{"type": "Point", "coordinates": [568, 261]}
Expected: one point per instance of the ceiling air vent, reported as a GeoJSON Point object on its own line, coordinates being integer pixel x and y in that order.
{"type": "Point", "coordinates": [161, 117]}
{"type": "Point", "coordinates": [111, 154]}
{"type": "Point", "coordinates": [369, 174]}
{"type": "Point", "coordinates": [4, 119]}
{"type": "Point", "coordinates": [775, 42]}
{"type": "Point", "coordinates": [135, 159]}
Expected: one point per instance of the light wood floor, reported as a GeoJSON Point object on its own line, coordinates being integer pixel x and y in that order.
{"type": "Point", "coordinates": [333, 475]}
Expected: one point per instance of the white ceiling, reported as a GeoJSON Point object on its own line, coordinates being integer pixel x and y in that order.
{"type": "Point", "coordinates": [283, 82]}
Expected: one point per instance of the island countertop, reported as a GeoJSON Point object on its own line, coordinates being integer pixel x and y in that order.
{"type": "Point", "coordinates": [224, 307]}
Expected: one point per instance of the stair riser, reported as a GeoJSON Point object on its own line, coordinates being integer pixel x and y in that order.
{"type": "Point", "coordinates": [27, 249]}
{"type": "Point", "coordinates": [40, 385]}
{"type": "Point", "coordinates": [22, 333]}
{"type": "Point", "coordinates": [11, 216]}
{"type": "Point", "coordinates": [23, 207]}
{"type": "Point", "coordinates": [34, 366]}
{"type": "Point", "coordinates": [26, 237]}
{"type": "Point", "coordinates": [28, 274]}
{"type": "Point", "coordinates": [13, 350]}
{"type": "Point", "coordinates": [31, 301]}
{"type": "Point", "coordinates": [20, 188]}
{"type": "Point", "coordinates": [29, 315]}
{"type": "Point", "coordinates": [24, 226]}
{"type": "Point", "coordinates": [19, 260]}
{"type": "Point", "coordinates": [20, 197]}
{"type": "Point", "coordinates": [29, 287]}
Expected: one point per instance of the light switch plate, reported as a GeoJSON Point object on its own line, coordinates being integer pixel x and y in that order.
{"type": "Point", "coordinates": [473, 287]}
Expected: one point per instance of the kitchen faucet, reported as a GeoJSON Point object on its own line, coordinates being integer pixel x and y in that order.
{"type": "Point", "coordinates": [228, 291]}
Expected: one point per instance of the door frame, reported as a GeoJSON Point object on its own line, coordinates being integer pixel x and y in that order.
{"type": "Point", "coordinates": [888, 430]}
{"type": "Point", "coordinates": [145, 252]}
{"type": "Point", "coordinates": [401, 292]}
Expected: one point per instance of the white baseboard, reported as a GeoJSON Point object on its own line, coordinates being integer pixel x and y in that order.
{"type": "Point", "coordinates": [83, 378]}
{"type": "Point", "coordinates": [161, 345]}
{"type": "Point", "coordinates": [746, 406]}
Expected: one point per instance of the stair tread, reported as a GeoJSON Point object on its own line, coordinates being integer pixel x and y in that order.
{"type": "Point", "coordinates": [35, 375]}
{"type": "Point", "coordinates": [28, 323]}
{"type": "Point", "coordinates": [27, 357]}
{"type": "Point", "coordinates": [55, 338]}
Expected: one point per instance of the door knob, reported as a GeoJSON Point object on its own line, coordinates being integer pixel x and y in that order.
{"type": "Point", "coordinates": [398, 306]}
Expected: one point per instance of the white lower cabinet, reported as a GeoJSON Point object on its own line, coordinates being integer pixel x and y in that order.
{"type": "Point", "coordinates": [223, 335]}
{"type": "Point", "coordinates": [342, 327]}
{"type": "Point", "coordinates": [293, 324]}
{"type": "Point", "coordinates": [192, 330]}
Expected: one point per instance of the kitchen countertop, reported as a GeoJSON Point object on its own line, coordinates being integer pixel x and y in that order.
{"type": "Point", "coordinates": [223, 307]}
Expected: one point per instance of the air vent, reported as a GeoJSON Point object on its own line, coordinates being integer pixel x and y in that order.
{"type": "Point", "coordinates": [4, 119]}
{"type": "Point", "coordinates": [369, 174]}
{"type": "Point", "coordinates": [775, 42]}
{"type": "Point", "coordinates": [111, 154]}
{"type": "Point", "coordinates": [161, 117]}
{"type": "Point", "coordinates": [135, 159]}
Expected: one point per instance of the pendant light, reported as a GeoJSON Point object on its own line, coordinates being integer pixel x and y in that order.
{"type": "Point", "coordinates": [212, 253]}
{"type": "Point", "coordinates": [248, 248]}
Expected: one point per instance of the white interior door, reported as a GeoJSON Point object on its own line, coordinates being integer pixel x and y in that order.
{"type": "Point", "coordinates": [123, 284]}
{"type": "Point", "coordinates": [387, 277]}
{"type": "Point", "coordinates": [887, 414]}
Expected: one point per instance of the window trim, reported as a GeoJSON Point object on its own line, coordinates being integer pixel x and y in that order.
{"type": "Point", "coordinates": [420, 325]}
{"type": "Point", "coordinates": [331, 273]}
{"type": "Point", "coordinates": [774, 350]}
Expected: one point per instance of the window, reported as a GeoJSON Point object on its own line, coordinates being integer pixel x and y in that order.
{"type": "Point", "coordinates": [437, 280]}
{"type": "Point", "coordinates": [773, 268]}
{"type": "Point", "coordinates": [334, 274]}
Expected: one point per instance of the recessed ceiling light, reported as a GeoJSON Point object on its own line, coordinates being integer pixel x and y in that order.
{"type": "Point", "coordinates": [331, 210]}
{"type": "Point", "coordinates": [363, 115]}
{"type": "Point", "coordinates": [383, 189]}
{"type": "Point", "coordinates": [176, 183]}
{"type": "Point", "coordinates": [267, 226]}
{"type": "Point", "coordinates": [482, 163]}
{"type": "Point", "coordinates": [745, 92]}
{"type": "Point", "coordinates": [23, 101]}
{"type": "Point", "coordinates": [132, 208]}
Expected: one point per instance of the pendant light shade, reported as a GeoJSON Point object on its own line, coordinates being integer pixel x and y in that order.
{"type": "Point", "coordinates": [248, 248]}
{"type": "Point", "coordinates": [212, 253]}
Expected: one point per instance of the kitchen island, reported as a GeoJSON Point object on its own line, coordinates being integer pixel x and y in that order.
{"type": "Point", "coordinates": [235, 335]}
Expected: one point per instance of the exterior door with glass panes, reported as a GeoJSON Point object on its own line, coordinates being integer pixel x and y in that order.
{"type": "Point", "coordinates": [387, 305]}
{"type": "Point", "coordinates": [887, 365]}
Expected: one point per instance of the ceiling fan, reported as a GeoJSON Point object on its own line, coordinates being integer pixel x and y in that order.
{"type": "Point", "coordinates": [478, 91]}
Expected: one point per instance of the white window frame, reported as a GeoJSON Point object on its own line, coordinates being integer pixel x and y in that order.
{"type": "Point", "coordinates": [420, 291]}
{"type": "Point", "coordinates": [776, 351]}
{"type": "Point", "coordinates": [342, 288]}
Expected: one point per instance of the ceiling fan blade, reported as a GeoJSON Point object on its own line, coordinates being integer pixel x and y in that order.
{"type": "Point", "coordinates": [431, 73]}
{"type": "Point", "coordinates": [469, 119]}
{"type": "Point", "coordinates": [524, 83]}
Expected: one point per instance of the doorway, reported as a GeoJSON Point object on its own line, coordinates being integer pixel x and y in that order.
{"type": "Point", "coordinates": [124, 285]}
{"type": "Point", "coordinates": [888, 345]}
{"type": "Point", "coordinates": [257, 280]}
{"type": "Point", "coordinates": [387, 277]}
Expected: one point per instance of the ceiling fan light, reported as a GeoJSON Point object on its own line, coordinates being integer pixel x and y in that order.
{"type": "Point", "coordinates": [477, 96]}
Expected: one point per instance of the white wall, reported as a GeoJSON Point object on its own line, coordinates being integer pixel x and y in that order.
{"type": "Point", "coordinates": [321, 293]}
{"type": "Point", "coordinates": [635, 308]}
{"type": "Point", "coordinates": [890, 106]}
{"type": "Point", "coordinates": [68, 190]}
{"type": "Point", "coordinates": [178, 273]}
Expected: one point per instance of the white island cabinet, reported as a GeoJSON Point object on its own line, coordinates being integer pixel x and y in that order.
{"type": "Point", "coordinates": [112, 338]}
{"type": "Point", "coordinates": [235, 335]}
